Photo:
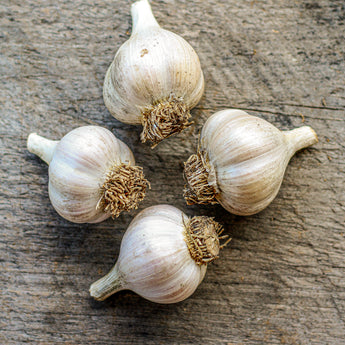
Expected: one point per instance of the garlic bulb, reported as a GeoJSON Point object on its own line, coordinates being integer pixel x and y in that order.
{"type": "Point", "coordinates": [241, 161]}
{"type": "Point", "coordinates": [154, 80]}
{"type": "Point", "coordinates": [163, 256]}
{"type": "Point", "coordinates": [92, 174]}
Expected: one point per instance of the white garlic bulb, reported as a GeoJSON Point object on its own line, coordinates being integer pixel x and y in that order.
{"type": "Point", "coordinates": [241, 161]}
{"type": "Point", "coordinates": [163, 256]}
{"type": "Point", "coordinates": [92, 174]}
{"type": "Point", "coordinates": [154, 80]}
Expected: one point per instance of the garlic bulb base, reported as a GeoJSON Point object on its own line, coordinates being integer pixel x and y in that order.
{"type": "Point", "coordinates": [124, 188]}
{"type": "Point", "coordinates": [107, 286]}
{"type": "Point", "coordinates": [300, 138]}
{"type": "Point", "coordinates": [199, 175]}
{"type": "Point", "coordinates": [202, 238]}
{"type": "Point", "coordinates": [163, 119]}
{"type": "Point", "coordinates": [41, 147]}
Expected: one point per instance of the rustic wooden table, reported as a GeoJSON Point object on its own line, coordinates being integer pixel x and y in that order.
{"type": "Point", "coordinates": [282, 278]}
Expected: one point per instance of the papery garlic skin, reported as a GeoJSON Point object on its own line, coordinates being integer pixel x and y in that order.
{"type": "Point", "coordinates": [155, 258]}
{"type": "Point", "coordinates": [244, 159]}
{"type": "Point", "coordinates": [79, 164]}
{"type": "Point", "coordinates": [155, 71]}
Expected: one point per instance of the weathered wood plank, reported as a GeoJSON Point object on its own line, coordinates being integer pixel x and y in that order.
{"type": "Point", "coordinates": [282, 278]}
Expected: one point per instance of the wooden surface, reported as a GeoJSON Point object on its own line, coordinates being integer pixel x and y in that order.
{"type": "Point", "coordinates": [282, 278]}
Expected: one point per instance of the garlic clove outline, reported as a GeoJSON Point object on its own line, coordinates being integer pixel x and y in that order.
{"type": "Point", "coordinates": [163, 256]}
{"type": "Point", "coordinates": [154, 79]}
{"type": "Point", "coordinates": [92, 174]}
{"type": "Point", "coordinates": [241, 161]}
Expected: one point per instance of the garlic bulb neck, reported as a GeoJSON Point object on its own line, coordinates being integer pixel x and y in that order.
{"type": "Point", "coordinates": [107, 285]}
{"type": "Point", "coordinates": [123, 189]}
{"type": "Point", "coordinates": [201, 187]}
{"type": "Point", "coordinates": [142, 16]}
{"type": "Point", "coordinates": [300, 138]}
{"type": "Point", "coordinates": [202, 238]}
{"type": "Point", "coordinates": [163, 119]}
{"type": "Point", "coordinates": [41, 147]}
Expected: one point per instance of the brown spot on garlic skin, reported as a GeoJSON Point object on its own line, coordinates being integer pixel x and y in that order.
{"type": "Point", "coordinates": [143, 52]}
{"type": "Point", "coordinates": [124, 187]}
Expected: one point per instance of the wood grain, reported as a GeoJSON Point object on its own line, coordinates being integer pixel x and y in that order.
{"type": "Point", "coordinates": [282, 278]}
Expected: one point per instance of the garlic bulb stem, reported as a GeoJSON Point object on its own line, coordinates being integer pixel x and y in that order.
{"type": "Point", "coordinates": [300, 138]}
{"type": "Point", "coordinates": [41, 147]}
{"type": "Point", "coordinates": [107, 285]}
{"type": "Point", "coordinates": [142, 16]}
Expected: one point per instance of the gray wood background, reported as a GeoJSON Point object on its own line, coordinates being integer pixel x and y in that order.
{"type": "Point", "coordinates": [282, 278]}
